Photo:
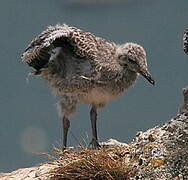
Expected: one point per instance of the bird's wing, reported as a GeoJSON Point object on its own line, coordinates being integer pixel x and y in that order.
{"type": "Point", "coordinates": [82, 45]}
{"type": "Point", "coordinates": [37, 54]}
{"type": "Point", "coordinates": [185, 41]}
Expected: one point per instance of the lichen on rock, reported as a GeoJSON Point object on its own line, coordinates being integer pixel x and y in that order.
{"type": "Point", "coordinates": [160, 153]}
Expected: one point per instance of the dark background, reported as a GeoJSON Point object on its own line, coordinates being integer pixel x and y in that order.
{"type": "Point", "coordinates": [28, 119]}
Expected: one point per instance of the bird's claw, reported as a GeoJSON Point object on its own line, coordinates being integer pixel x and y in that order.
{"type": "Point", "coordinates": [94, 144]}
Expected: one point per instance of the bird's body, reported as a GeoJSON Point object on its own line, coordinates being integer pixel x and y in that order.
{"type": "Point", "coordinates": [184, 107]}
{"type": "Point", "coordinates": [185, 41]}
{"type": "Point", "coordinates": [77, 77]}
{"type": "Point", "coordinates": [84, 68]}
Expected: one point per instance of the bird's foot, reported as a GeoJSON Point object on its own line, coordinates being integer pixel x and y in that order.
{"type": "Point", "coordinates": [94, 144]}
{"type": "Point", "coordinates": [64, 148]}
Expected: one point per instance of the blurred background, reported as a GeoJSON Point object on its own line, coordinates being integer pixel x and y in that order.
{"type": "Point", "coordinates": [28, 119]}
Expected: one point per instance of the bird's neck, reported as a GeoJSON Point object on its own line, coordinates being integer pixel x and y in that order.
{"type": "Point", "coordinates": [129, 76]}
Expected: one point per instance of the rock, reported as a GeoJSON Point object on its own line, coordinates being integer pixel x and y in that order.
{"type": "Point", "coordinates": [112, 143]}
{"type": "Point", "coordinates": [40, 172]}
{"type": "Point", "coordinates": [160, 153]}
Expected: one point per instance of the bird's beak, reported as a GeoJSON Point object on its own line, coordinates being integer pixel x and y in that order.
{"type": "Point", "coordinates": [147, 75]}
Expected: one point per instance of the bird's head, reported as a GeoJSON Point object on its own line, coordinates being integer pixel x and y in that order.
{"type": "Point", "coordinates": [133, 57]}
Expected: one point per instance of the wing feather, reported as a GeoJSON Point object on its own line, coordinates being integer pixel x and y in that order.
{"type": "Point", "coordinates": [37, 54]}
{"type": "Point", "coordinates": [81, 44]}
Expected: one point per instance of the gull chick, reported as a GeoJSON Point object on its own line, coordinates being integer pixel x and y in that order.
{"type": "Point", "coordinates": [81, 67]}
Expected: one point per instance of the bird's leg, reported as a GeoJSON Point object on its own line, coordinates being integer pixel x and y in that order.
{"type": "Point", "coordinates": [93, 118]}
{"type": "Point", "coordinates": [66, 125]}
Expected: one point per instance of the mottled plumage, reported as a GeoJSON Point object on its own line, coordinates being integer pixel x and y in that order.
{"type": "Point", "coordinates": [184, 107]}
{"type": "Point", "coordinates": [185, 41]}
{"type": "Point", "coordinates": [81, 67]}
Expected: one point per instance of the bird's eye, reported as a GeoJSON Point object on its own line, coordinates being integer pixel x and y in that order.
{"type": "Point", "coordinates": [131, 60]}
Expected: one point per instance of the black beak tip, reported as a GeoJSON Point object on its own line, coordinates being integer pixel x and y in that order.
{"type": "Point", "coordinates": [152, 81]}
{"type": "Point", "coordinates": [149, 78]}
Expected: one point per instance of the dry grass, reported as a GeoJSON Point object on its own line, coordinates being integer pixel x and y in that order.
{"type": "Point", "coordinates": [104, 164]}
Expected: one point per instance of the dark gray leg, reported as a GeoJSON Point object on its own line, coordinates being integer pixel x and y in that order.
{"type": "Point", "coordinates": [66, 125]}
{"type": "Point", "coordinates": [93, 118]}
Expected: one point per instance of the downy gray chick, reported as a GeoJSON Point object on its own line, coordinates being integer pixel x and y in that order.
{"type": "Point", "coordinates": [84, 68]}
